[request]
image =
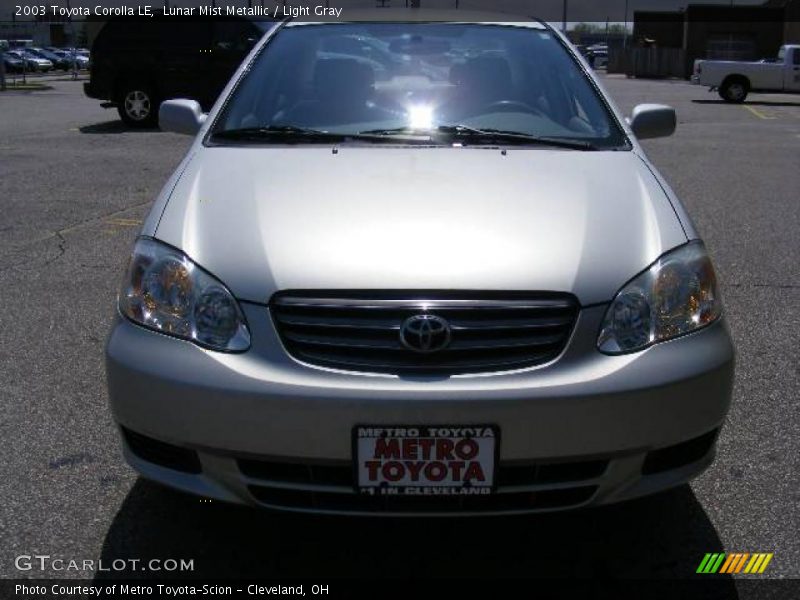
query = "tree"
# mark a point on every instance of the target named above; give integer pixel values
(586, 28)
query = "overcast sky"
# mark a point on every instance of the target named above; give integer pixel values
(578, 10)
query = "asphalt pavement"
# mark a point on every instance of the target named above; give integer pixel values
(75, 185)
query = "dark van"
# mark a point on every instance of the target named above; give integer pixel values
(139, 63)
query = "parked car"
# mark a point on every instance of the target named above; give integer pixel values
(13, 63)
(600, 59)
(66, 57)
(72, 54)
(83, 60)
(31, 60)
(735, 80)
(468, 291)
(597, 55)
(137, 64)
(59, 61)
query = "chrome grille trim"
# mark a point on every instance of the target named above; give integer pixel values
(388, 303)
(359, 331)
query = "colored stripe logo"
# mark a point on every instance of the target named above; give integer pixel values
(736, 562)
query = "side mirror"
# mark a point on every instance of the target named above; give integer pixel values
(181, 116)
(653, 120)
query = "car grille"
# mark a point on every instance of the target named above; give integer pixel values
(514, 502)
(361, 332)
(343, 474)
(331, 487)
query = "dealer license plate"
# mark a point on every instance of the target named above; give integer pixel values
(426, 460)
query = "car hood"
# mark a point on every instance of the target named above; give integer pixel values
(301, 217)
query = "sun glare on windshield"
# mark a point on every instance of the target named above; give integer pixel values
(420, 116)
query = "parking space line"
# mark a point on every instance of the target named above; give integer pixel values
(756, 112)
(124, 222)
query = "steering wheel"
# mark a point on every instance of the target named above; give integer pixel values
(511, 106)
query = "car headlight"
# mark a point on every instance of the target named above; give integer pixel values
(167, 292)
(676, 295)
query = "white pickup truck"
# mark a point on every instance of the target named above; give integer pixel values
(734, 80)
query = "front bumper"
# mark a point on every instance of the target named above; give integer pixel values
(231, 410)
(91, 89)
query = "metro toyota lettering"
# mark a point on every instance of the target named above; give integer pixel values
(434, 459)
(454, 470)
(432, 431)
(425, 449)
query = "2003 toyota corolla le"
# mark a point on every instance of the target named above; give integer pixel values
(419, 267)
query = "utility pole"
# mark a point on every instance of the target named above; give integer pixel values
(625, 32)
(564, 19)
(730, 38)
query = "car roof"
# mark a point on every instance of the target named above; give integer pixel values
(420, 15)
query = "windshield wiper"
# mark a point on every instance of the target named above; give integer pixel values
(472, 134)
(277, 131)
(513, 137)
(405, 130)
(295, 134)
(460, 132)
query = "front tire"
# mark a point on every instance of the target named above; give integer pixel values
(734, 90)
(138, 105)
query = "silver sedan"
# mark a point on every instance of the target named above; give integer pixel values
(418, 267)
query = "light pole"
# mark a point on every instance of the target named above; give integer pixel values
(730, 38)
(564, 19)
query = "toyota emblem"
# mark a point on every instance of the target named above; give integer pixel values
(425, 333)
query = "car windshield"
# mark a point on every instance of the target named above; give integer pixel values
(390, 82)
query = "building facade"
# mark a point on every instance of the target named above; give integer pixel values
(720, 32)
